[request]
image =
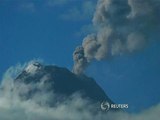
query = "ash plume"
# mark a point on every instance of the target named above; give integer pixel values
(80, 62)
(122, 26)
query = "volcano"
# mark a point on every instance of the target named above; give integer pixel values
(60, 81)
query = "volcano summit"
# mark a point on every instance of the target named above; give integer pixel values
(57, 81)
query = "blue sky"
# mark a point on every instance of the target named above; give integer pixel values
(50, 30)
(40, 31)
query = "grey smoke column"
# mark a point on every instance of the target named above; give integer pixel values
(80, 62)
(123, 26)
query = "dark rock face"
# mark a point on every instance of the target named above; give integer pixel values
(60, 81)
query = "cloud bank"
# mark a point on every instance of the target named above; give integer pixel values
(123, 26)
(74, 107)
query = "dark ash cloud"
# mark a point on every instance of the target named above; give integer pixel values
(123, 26)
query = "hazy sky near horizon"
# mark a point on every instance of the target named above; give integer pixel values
(51, 29)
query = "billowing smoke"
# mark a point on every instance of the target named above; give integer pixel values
(80, 60)
(123, 26)
(13, 107)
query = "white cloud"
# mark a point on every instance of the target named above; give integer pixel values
(12, 107)
(58, 2)
(83, 12)
(27, 6)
